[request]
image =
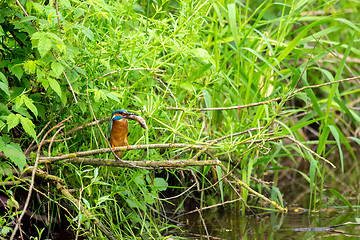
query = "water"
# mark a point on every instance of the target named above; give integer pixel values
(234, 225)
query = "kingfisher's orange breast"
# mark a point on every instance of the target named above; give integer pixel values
(119, 129)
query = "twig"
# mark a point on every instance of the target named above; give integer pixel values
(44, 175)
(244, 185)
(143, 164)
(169, 198)
(128, 69)
(107, 150)
(33, 141)
(293, 140)
(33, 178)
(156, 211)
(38, 191)
(311, 151)
(337, 54)
(203, 223)
(171, 94)
(236, 134)
(57, 13)
(75, 129)
(208, 207)
(77, 203)
(264, 102)
(52, 139)
(226, 175)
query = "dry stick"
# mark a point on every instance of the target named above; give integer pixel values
(57, 13)
(202, 150)
(143, 164)
(77, 203)
(57, 181)
(129, 69)
(44, 175)
(33, 141)
(195, 179)
(107, 150)
(169, 198)
(75, 129)
(244, 185)
(208, 207)
(219, 139)
(311, 151)
(236, 134)
(170, 145)
(203, 223)
(52, 139)
(293, 140)
(33, 178)
(226, 175)
(171, 94)
(264, 102)
(337, 54)
(38, 191)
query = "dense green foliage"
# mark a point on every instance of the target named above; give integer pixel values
(190, 54)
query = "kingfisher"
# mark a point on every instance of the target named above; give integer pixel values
(119, 127)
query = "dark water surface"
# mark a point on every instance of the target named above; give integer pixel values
(234, 225)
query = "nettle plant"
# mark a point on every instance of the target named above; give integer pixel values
(32, 61)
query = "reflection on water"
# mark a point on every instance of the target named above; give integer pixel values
(233, 225)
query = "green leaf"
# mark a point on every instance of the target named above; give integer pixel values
(88, 33)
(17, 71)
(30, 66)
(5, 88)
(55, 86)
(28, 18)
(2, 125)
(292, 44)
(5, 169)
(139, 179)
(338, 142)
(133, 204)
(14, 153)
(38, 35)
(2, 144)
(149, 199)
(29, 104)
(13, 120)
(44, 46)
(232, 9)
(99, 94)
(3, 78)
(113, 97)
(2, 33)
(58, 68)
(341, 197)
(28, 126)
(355, 139)
(160, 184)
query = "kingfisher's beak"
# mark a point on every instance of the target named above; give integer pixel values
(135, 117)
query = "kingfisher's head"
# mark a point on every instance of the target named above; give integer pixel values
(120, 114)
(123, 114)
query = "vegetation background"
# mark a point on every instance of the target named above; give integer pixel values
(269, 88)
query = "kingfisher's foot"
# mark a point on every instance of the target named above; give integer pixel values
(128, 146)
